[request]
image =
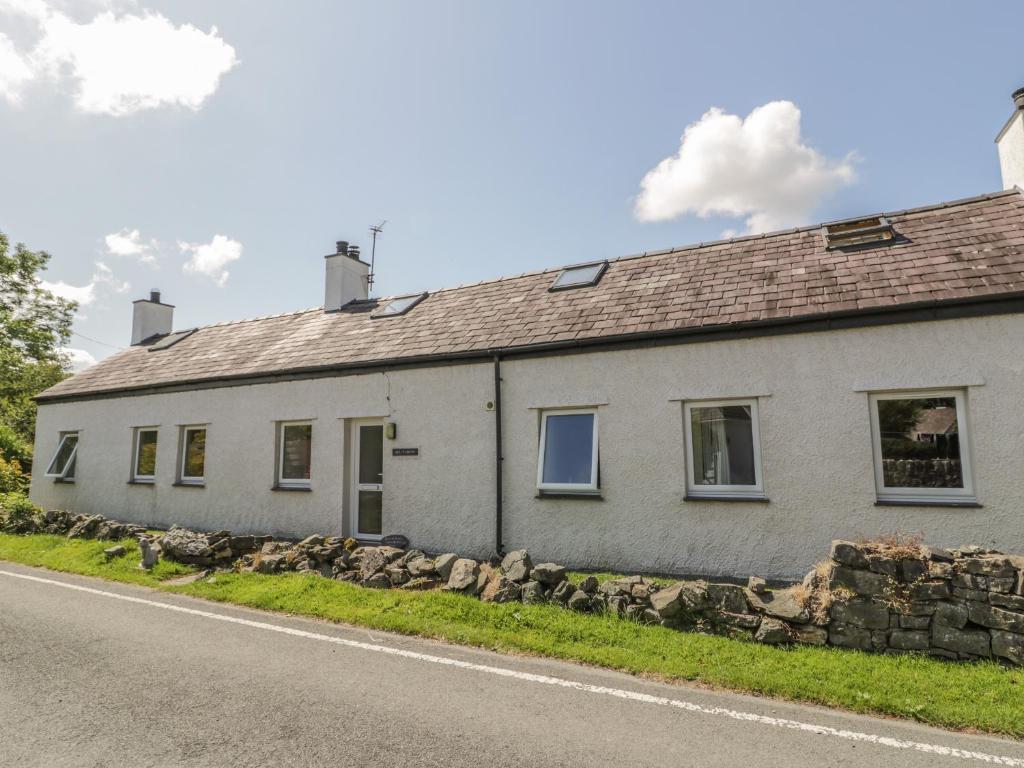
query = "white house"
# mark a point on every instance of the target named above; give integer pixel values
(726, 408)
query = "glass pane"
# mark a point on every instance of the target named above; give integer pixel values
(69, 473)
(296, 451)
(195, 453)
(578, 276)
(67, 445)
(145, 458)
(569, 449)
(723, 445)
(371, 455)
(370, 512)
(920, 443)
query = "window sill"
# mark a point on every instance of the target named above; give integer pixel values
(955, 503)
(299, 488)
(725, 497)
(181, 484)
(142, 482)
(585, 495)
(62, 481)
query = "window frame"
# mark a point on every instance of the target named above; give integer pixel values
(184, 479)
(602, 267)
(592, 487)
(732, 491)
(279, 480)
(885, 494)
(136, 446)
(386, 311)
(71, 461)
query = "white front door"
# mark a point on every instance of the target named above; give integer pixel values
(367, 478)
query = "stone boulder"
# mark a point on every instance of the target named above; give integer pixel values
(548, 574)
(772, 632)
(517, 565)
(464, 573)
(533, 592)
(443, 565)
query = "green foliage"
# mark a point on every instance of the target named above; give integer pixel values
(897, 417)
(34, 325)
(17, 513)
(12, 478)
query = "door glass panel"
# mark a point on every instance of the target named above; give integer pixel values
(371, 456)
(370, 512)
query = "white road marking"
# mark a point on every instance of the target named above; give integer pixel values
(646, 698)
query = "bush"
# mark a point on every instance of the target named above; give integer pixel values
(12, 447)
(12, 478)
(18, 514)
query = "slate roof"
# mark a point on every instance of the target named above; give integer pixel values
(967, 249)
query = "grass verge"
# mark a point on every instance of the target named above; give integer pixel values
(981, 696)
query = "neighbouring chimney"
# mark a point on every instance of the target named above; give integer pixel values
(1010, 143)
(346, 278)
(151, 317)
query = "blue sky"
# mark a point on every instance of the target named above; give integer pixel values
(493, 138)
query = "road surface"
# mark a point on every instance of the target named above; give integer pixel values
(98, 674)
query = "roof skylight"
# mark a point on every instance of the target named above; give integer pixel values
(171, 339)
(399, 305)
(579, 276)
(844, 234)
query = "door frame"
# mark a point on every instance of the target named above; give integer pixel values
(356, 486)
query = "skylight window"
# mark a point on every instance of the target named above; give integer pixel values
(579, 276)
(399, 305)
(845, 234)
(171, 339)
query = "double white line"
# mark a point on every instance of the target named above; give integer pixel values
(645, 698)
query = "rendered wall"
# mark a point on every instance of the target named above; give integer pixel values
(814, 425)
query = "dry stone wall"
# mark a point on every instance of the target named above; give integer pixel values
(881, 596)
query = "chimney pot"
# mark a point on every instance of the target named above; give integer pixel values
(353, 251)
(342, 246)
(1018, 98)
(154, 295)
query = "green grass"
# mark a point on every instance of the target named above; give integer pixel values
(973, 696)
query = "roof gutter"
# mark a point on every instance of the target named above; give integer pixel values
(973, 306)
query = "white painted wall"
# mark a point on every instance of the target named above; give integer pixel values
(1011, 152)
(814, 425)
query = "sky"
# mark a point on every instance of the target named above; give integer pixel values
(216, 150)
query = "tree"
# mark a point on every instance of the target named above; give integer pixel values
(34, 326)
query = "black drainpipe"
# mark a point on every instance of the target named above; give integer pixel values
(498, 458)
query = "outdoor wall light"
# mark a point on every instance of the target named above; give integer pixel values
(390, 430)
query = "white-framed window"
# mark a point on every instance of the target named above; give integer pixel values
(62, 465)
(294, 454)
(723, 449)
(567, 460)
(144, 455)
(921, 446)
(192, 468)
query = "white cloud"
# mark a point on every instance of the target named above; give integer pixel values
(121, 63)
(15, 71)
(84, 295)
(759, 167)
(129, 243)
(209, 259)
(79, 359)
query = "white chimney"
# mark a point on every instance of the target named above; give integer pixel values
(1010, 142)
(347, 277)
(150, 317)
